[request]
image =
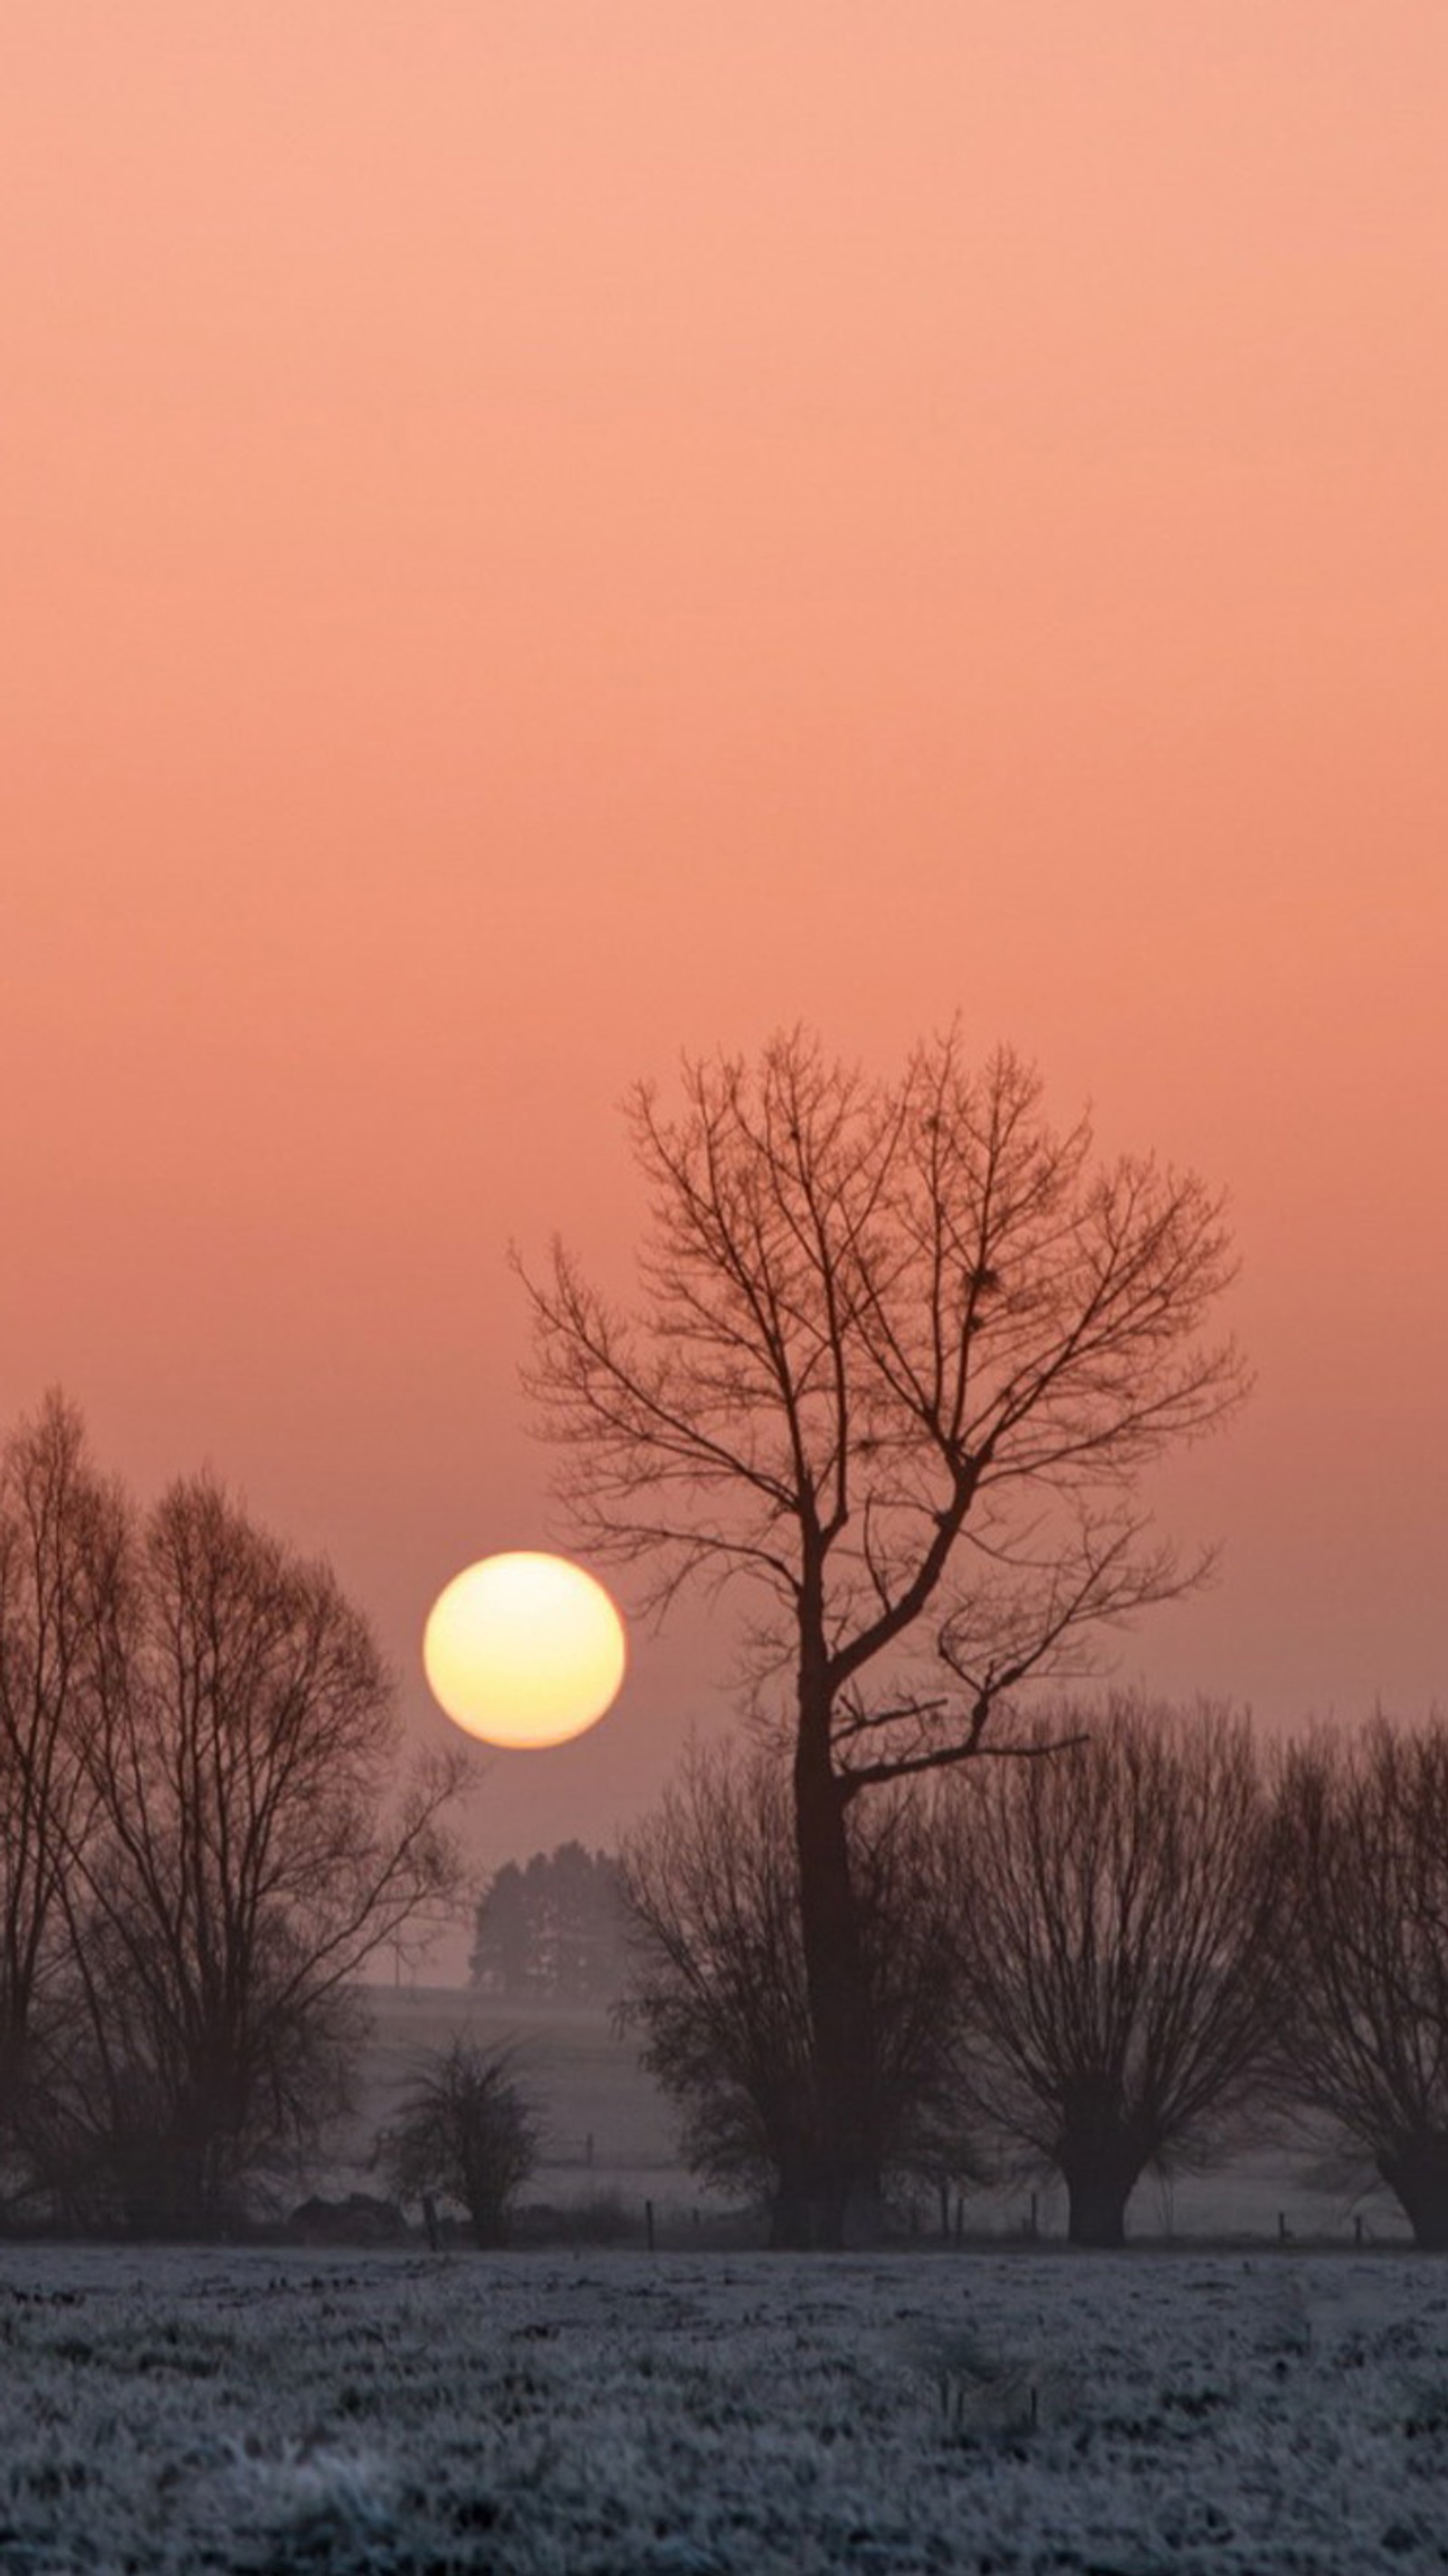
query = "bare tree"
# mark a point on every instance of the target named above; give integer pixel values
(1365, 2026)
(720, 1996)
(900, 1356)
(466, 2130)
(63, 1542)
(1121, 1917)
(246, 1860)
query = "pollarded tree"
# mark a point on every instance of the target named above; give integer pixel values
(1365, 2022)
(247, 1857)
(900, 1355)
(719, 1995)
(1122, 1918)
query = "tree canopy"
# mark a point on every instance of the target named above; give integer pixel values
(901, 1353)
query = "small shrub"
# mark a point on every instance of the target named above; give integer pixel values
(466, 2132)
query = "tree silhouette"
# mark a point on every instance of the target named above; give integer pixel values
(246, 1855)
(1122, 1924)
(1365, 2026)
(64, 1538)
(719, 1995)
(552, 1928)
(900, 1355)
(465, 2130)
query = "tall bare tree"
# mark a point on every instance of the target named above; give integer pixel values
(718, 1989)
(63, 1553)
(1365, 2029)
(900, 1355)
(1122, 1922)
(246, 1860)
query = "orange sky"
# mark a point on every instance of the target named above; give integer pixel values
(538, 535)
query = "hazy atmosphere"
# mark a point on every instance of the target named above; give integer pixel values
(538, 537)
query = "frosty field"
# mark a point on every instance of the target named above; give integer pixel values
(613, 2415)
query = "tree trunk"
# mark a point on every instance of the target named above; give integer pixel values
(1096, 2204)
(1417, 2172)
(1103, 2153)
(846, 2183)
(794, 2216)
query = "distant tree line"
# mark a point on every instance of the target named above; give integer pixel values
(1137, 1945)
(552, 1929)
(204, 1837)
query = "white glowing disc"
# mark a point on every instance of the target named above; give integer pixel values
(524, 1649)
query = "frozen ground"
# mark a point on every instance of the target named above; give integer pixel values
(609, 2415)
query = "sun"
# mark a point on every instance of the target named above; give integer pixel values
(524, 1650)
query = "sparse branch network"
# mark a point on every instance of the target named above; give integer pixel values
(900, 1356)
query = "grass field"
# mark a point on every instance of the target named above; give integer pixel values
(602, 2411)
(612, 2414)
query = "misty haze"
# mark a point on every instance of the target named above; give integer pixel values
(723, 1761)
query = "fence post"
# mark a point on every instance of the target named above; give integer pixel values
(649, 2224)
